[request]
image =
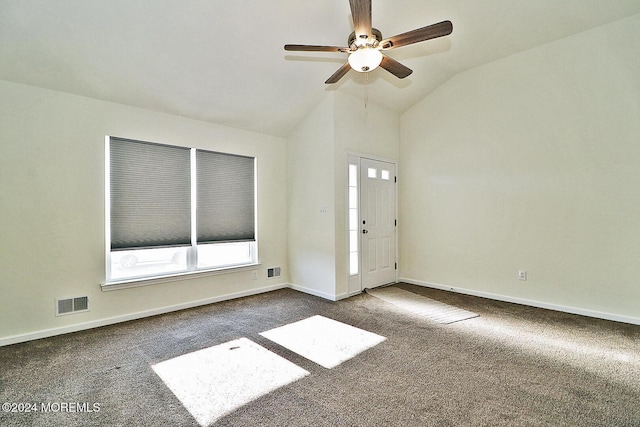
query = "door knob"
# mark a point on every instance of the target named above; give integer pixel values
(365, 231)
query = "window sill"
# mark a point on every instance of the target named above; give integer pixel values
(146, 281)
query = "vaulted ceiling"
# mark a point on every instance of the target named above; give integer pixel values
(224, 62)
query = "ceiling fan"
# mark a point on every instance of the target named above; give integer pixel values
(365, 44)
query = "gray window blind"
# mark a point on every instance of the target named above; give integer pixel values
(150, 194)
(226, 186)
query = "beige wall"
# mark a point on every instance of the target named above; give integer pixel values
(52, 210)
(531, 163)
(311, 200)
(365, 130)
(317, 175)
(528, 163)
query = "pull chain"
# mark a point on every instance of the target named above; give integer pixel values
(366, 90)
(366, 97)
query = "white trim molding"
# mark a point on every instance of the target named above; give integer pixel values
(314, 292)
(15, 339)
(153, 280)
(527, 302)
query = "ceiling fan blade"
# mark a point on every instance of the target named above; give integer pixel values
(339, 74)
(361, 13)
(440, 29)
(312, 48)
(394, 67)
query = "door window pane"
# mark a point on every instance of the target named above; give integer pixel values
(353, 219)
(353, 176)
(353, 263)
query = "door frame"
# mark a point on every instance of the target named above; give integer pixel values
(354, 281)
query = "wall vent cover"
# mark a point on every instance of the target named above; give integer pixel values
(273, 272)
(71, 305)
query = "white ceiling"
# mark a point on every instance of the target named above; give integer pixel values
(224, 62)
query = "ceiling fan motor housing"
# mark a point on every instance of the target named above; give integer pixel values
(371, 43)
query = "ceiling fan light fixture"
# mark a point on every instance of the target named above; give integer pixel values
(365, 59)
(365, 43)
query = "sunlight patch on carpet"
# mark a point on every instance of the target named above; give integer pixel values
(421, 305)
(324, 341)
(215, 381)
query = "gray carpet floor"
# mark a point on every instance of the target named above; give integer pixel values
(511, 366)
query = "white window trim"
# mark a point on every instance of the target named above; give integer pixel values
(154, 280)
(133, 282)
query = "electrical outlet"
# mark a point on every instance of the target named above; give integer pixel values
(254, 275)
(522, 275)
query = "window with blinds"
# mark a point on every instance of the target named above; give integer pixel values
(175, 209)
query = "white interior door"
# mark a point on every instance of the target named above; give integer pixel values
(377, 222)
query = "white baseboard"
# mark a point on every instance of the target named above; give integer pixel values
(346, 295)
(14, 339)
(314, 292)
(531, 303)
(349, 294)
(133, 316)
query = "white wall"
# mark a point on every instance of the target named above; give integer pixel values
(52, 209)
(531, 163)
(362, 129)
(311, 203)
(317, 174)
